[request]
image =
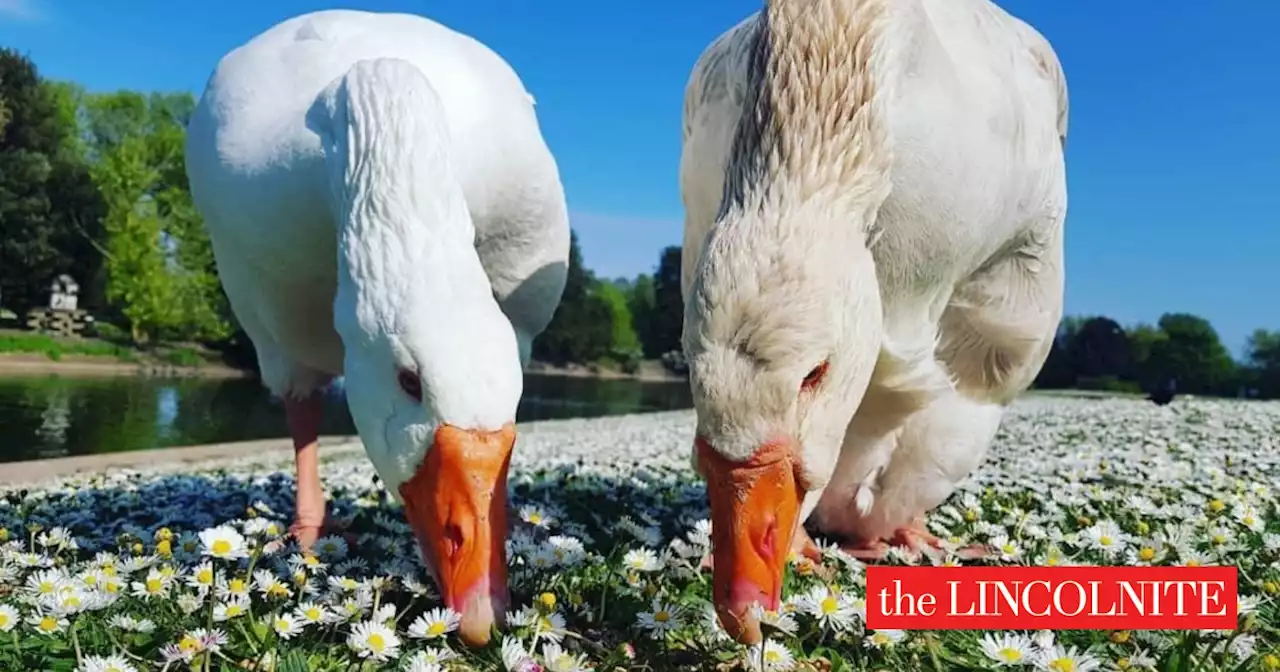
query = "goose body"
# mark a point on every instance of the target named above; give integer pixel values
(382, 206)
(875, 195)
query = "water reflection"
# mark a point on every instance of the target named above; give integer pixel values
(54, 417)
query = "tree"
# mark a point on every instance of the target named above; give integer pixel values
(1191, 354)
(160, 267)
(642, 303)
(1058, 371)
(47, 198)
(582, 328)
(667, 319)
(1099, 353)
(1263, 358)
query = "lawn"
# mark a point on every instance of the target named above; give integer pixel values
(55, 348)
(126, 572)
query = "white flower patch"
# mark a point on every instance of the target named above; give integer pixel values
(139, 569)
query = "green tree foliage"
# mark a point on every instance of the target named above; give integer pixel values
(1185, 349)
(582, 328)
(667, 321)
(160, 271)
(1263, 360)
(49, 207)
(1192, 354)
(642, 302)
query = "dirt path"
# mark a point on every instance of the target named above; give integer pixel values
(86, 366)
(39, 471)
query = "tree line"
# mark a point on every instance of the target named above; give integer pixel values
(94, 185)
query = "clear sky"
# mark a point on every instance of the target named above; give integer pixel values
(1173, 156)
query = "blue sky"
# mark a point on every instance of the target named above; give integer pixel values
(1173, 157)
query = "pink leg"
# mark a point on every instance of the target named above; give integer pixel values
(304, 427)
(914, 537)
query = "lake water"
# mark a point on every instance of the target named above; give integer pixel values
(43, 417)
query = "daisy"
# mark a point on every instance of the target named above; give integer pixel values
(641, 560)
(108, 664)
(228, 588)
(1144, 552)
(832, 610)
(1006, 547)
(286, 626)
(1058, 659)
(312, 613)
(659, 620)
(559, 660)
(885, 638)
(1008, 649)
(374, 641)
(515, 658)
(224, 543)
(536, 516)
(47, 625)
(155, 586)
(9, 618)
(202, 577)
(233, 607)
(770, 656)
(435, 623)
(1104, 536)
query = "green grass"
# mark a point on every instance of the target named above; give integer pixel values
(56, 348)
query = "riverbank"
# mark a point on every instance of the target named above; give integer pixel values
(24, 353)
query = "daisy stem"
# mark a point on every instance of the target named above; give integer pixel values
(247, 637)
(412, 601)
(75, 641)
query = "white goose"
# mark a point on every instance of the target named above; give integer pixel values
(875, 194)
(383, 207)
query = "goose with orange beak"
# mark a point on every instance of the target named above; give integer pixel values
(382, 207)
(875, 195)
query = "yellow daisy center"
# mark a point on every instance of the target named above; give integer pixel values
(282, 624)
(1105, 540)
(1063, 665)
(829, 605)
(535, 518)
(4, 619)
(204, 576)
(436, 629)
(312, 614)
(154, 585)
(48, 624)
(221, 547)
(661, 616)
(237, 585)
(1147, 554)
(1010, 655)
(377, 643)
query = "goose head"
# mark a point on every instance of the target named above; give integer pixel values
(782, 332)
(433, 393)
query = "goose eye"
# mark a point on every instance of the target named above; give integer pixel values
(410, 384)
(814, 379)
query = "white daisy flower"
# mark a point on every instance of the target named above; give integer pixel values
(374, 641)
(224, 543)
(435, 623)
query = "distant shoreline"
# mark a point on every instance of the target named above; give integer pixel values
(90, 366)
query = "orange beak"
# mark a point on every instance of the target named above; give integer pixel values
(754, 507)
(457, 506)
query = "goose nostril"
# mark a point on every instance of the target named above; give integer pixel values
(769, 541)
(452, 539)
